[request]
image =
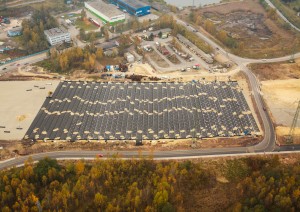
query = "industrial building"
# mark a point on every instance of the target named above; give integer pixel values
(142, 111)
(106, 12)
(14, 32)
(57, 36)
(133, 7)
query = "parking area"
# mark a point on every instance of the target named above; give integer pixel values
(163, 55)
(20, 102)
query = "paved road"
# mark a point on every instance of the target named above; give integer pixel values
(281, 15)
(11, 5)
(160, 155)
(29, 60)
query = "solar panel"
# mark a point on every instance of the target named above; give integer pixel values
(93, 111)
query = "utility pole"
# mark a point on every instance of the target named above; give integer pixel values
(293, 126)
(292, 60)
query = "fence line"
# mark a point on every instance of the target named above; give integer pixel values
(21, 58)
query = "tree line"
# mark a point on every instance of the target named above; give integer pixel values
(261, 184)
(75, 57)
(167, 21)
(33, 38)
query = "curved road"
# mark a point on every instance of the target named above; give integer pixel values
(281, 15)
(267, 145)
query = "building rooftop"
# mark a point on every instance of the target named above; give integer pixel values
(108, 45)
(107, 9)
(135, 3)
(55, 32)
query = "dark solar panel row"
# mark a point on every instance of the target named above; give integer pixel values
(96, 111)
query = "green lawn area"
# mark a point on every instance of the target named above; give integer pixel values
(86, 25)
(288, 10)
(52, 5)
(71, 15)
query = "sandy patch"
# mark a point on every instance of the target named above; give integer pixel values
(282, 98)
(275, 71)
(20, 102)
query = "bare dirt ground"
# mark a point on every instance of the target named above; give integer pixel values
(282, 98)
(28, 73)
(142, 69)
(248, 23)
(276, 71)
(158, 59)
(282, 133)
(20, 102)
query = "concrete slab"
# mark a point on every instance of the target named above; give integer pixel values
(20, 101)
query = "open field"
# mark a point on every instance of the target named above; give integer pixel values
(19, 107)
(51, 5)
(282, 98)
(277, 71)
(247, 22)
(85, 24)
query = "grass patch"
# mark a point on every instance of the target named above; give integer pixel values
(288, 10)
(86, 25)
(46, 64)
(52, 5)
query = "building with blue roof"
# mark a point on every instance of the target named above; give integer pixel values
(14, 32)
(133, 7)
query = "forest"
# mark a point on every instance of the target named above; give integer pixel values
(75, 57)
(33, 38)
(248, 184)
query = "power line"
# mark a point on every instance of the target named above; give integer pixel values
(290, 137)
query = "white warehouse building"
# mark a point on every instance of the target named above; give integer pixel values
(57, 36)
(106, 12)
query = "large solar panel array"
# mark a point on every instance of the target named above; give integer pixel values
(139, 111)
